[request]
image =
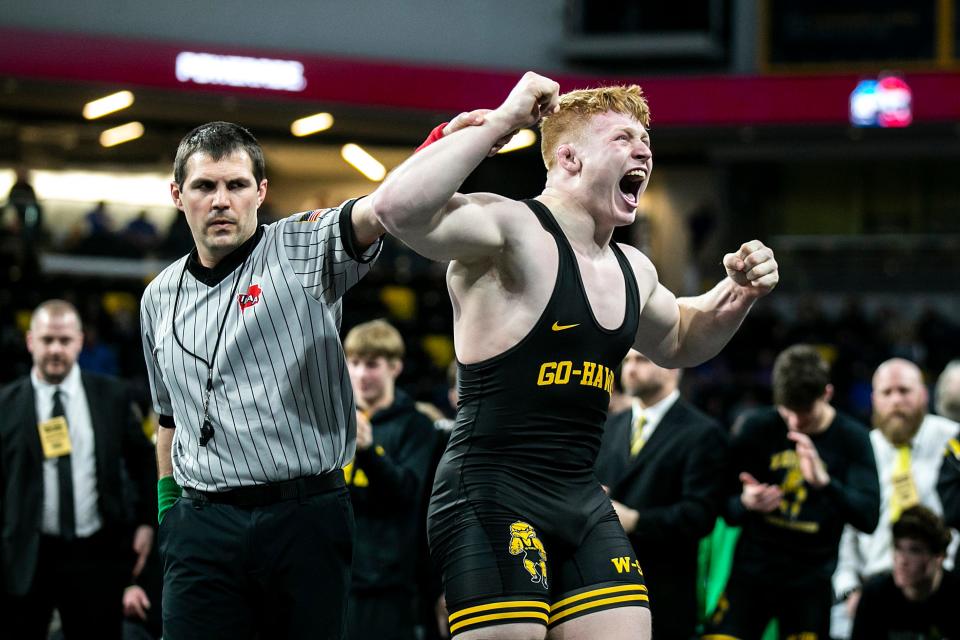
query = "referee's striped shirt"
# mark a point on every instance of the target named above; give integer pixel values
(282, 406)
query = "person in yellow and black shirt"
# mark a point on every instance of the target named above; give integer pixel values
(805, 470)
(948, 483)
(395, 443)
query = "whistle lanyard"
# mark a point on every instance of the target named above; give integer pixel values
(206, 427)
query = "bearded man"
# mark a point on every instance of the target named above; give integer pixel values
(908, 445)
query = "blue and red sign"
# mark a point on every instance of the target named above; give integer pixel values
(887, 102)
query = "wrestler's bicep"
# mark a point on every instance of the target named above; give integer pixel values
(658, 331)
(470, 227)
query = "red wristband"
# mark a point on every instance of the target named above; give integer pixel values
(435, 135)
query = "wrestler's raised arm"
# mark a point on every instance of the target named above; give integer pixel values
(419, 202)
(683, 332)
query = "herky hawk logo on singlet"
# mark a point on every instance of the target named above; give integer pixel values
(524, 540)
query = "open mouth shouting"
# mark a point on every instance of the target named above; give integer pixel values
(630, 185)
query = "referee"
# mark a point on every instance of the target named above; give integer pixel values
(256, 410)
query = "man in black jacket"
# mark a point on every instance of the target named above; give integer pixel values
(66, 531)
(395, 443)
(663, 462)
(805, 470)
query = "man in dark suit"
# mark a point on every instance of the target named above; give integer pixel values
(68, 540)
(663, 462)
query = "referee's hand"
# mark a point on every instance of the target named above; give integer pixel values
(474, 119)
(364, 432)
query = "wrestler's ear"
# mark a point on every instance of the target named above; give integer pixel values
(567, 158)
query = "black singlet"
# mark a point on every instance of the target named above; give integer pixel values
(530, 419)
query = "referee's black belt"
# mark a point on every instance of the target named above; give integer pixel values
(270, 493)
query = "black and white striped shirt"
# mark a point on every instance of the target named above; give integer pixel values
(282, 405)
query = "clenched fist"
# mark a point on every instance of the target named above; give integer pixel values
(530, 100)
(753, 267)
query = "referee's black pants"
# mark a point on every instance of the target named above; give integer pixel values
(276, 571)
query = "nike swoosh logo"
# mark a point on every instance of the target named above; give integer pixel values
(560, 327)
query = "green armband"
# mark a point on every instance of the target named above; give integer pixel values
(167, 493)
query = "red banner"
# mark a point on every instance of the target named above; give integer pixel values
(716, 100)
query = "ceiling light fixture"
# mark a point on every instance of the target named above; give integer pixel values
(107, 104)
(311, 124)
(123, 133)
(363, 162)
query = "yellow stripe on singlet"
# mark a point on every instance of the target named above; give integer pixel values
(598, 592)
(598, 603)
(542, 617)
(536, 604)
(718, 636)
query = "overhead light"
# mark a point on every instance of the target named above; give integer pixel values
(107, 104)
(123, 133)
(311, 124)
(521, 140)
(363, 162)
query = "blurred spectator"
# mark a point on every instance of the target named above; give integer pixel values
(23, 199)
(947, 394)
(948, 484)
(917, 599)
(98, 220)
(179, 239)
(908, 444)
(66, 530)
(98, 238)
(432, 607)
(140, 233)
(664, 464)
(142, 599)
(98, 356)
(395, 443)
(20, 258)
(948, 406)
(806, 470)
